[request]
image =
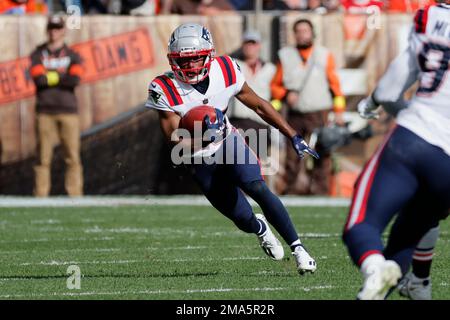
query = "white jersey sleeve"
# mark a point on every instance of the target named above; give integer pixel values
(399, 77)
(157, 98)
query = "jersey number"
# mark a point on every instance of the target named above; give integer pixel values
(434, 63)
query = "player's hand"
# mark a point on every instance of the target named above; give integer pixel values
(215, 130)
(367, 107)
(302, 147)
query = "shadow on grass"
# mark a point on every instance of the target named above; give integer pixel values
(112, 275)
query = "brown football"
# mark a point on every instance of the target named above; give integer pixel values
(197, 114)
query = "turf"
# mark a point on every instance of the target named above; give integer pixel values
(175, 252)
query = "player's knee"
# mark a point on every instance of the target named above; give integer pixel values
(256, 188)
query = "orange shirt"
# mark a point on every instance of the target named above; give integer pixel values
(407, 6)
(5, 5)
(279, 91)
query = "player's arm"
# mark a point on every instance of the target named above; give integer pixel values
(72, 78)
(37, 71)
(168, 119)
(399, 77)
(169, 122)
(265, 110)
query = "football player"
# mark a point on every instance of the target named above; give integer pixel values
(410, 171)
(197, 78)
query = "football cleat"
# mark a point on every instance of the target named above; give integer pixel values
(378, 283)
(268, 242)
(415, 288)
(305, 263)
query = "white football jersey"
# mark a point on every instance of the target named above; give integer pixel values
(167, 93)
(426, 60)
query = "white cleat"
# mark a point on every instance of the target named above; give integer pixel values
(415, 288)
(305, 263)
(269, 243)
(382, 278)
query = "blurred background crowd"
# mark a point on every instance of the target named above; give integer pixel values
(313, 59)
(204, 7)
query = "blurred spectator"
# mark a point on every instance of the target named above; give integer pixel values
(307, 82)
(203, 7)
(409, 6)
(95, 6)
(332, 5)
(140, 7)
(56, 71)
(68, 3)
(41, 6)
(297, 4)
(22, 6)
(63, 5)
(316, 6)
(271, 5)
(360, 6)
(127, 7)
(237, 3)
(258, 75)
(266, 4)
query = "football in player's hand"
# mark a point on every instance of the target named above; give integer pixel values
(197, 114)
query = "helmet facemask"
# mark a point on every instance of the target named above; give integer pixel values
(177, 61)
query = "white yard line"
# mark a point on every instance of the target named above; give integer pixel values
(193, 200)
(158, 292)
(58, 239)
(115, 249)
(183, 248)
(64, 263)
(153, 233)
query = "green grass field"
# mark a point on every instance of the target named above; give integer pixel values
(175, 252)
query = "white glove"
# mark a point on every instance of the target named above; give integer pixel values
(366, 108)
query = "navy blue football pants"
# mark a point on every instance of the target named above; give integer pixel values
(408, 176)
(224, 185)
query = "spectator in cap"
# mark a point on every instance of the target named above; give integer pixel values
(56, 71)
(202, 7)
(258, 74)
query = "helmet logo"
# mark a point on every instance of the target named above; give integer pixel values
(172, 38)
(206, 35)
